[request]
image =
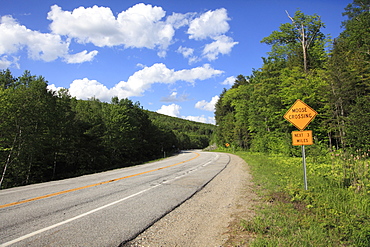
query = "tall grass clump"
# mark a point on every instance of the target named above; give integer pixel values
(334, 211)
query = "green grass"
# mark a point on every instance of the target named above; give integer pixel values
(334, 211)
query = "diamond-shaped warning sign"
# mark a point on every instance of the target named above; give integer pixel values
(300, 114)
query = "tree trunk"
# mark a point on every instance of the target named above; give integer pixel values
(304, 48)
(55, 165)
(8, 159)
(29, 170)
(6, 166)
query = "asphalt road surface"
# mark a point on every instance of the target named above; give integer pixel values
(105, 209)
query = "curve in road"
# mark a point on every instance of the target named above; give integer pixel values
(105, 215)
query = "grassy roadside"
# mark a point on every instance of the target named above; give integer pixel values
(334, 211)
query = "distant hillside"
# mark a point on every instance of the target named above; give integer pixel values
(47, 135)
(189, 134)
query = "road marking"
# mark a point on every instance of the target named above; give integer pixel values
(102, 207)
(93, 185)
(72, 219)
(191, 170)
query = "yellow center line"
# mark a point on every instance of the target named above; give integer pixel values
(92, 185)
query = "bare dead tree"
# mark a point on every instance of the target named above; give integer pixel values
(304, 38)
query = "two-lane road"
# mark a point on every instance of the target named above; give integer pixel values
(104, 209)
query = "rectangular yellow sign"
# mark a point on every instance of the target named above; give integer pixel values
(300, 138)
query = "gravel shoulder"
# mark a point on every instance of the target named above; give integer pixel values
(211, 217)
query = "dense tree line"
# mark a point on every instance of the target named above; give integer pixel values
(187, 134)
(334, 81)
(46, 135)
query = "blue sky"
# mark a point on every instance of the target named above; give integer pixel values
(173, 56)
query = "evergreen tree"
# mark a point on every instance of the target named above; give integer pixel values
(349, 82)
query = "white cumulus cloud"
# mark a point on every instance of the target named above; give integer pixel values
(207, 106)
(85, 89)
(6, 62)
(172, 110)
(178, 20)
(208, 25)
(40, 46)
(140, 81)
(229, 81)
(141, 26)
(185, 51)
(83, 56)
(188, 53)
(201, 119)
(222, 45)
(174, 97)
(54, 88)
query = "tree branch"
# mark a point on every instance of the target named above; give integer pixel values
(294, 24)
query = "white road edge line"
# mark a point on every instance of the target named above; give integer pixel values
(94, 210)
(190, 171)
(72, 219)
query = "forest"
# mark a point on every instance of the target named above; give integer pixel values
(333, 77)
(47, 135)
(330, 75)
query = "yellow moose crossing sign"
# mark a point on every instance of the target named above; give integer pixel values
(300, 114)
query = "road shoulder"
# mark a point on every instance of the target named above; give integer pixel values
(211, 217)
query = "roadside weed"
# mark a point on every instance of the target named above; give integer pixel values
(334, 211)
